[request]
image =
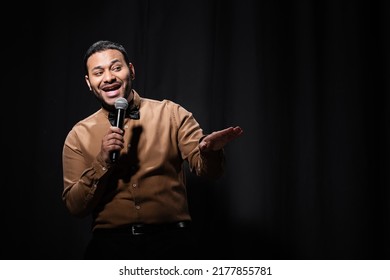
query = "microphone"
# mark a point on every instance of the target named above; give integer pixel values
(120, 106)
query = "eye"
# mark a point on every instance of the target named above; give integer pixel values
(98, 73)
(117, 68)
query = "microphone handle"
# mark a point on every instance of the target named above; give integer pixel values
(120, 117)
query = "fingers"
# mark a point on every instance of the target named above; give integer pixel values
(203, 146)
(235, 132)
(227, 134)
(112, 141)
(114, 144)
(238, 130)
(218, 139)
(114, 129)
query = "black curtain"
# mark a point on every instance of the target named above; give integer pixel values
(308, 82)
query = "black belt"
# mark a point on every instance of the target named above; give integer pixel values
(140, 229)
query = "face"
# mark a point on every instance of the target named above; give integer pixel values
(109, 77)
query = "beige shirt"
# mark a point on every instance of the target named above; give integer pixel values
(147, 184)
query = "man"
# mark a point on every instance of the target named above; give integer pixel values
(138, 202)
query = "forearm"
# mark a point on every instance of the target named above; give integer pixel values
(83, 185)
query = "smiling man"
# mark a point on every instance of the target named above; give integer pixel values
(139, 202)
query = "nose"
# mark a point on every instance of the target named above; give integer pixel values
(108, 76)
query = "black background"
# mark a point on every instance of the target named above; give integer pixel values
(307, 81)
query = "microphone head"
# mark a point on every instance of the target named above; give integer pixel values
(121, 103)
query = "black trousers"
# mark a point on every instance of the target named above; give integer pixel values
(170, 244)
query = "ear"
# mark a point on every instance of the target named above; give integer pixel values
(132, 71)
(88, 83)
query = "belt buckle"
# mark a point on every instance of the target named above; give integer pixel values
(134, 230)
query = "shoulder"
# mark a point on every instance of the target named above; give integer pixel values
(165, 104)
(93, 119)
(155, 102)
(96, 119)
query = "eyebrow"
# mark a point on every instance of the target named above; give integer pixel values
(111, 63)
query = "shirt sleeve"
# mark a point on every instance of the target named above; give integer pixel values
(80, 191)
(190, 134)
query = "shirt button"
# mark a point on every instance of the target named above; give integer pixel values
(134, 185)
(104, 169)
(137, 207)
